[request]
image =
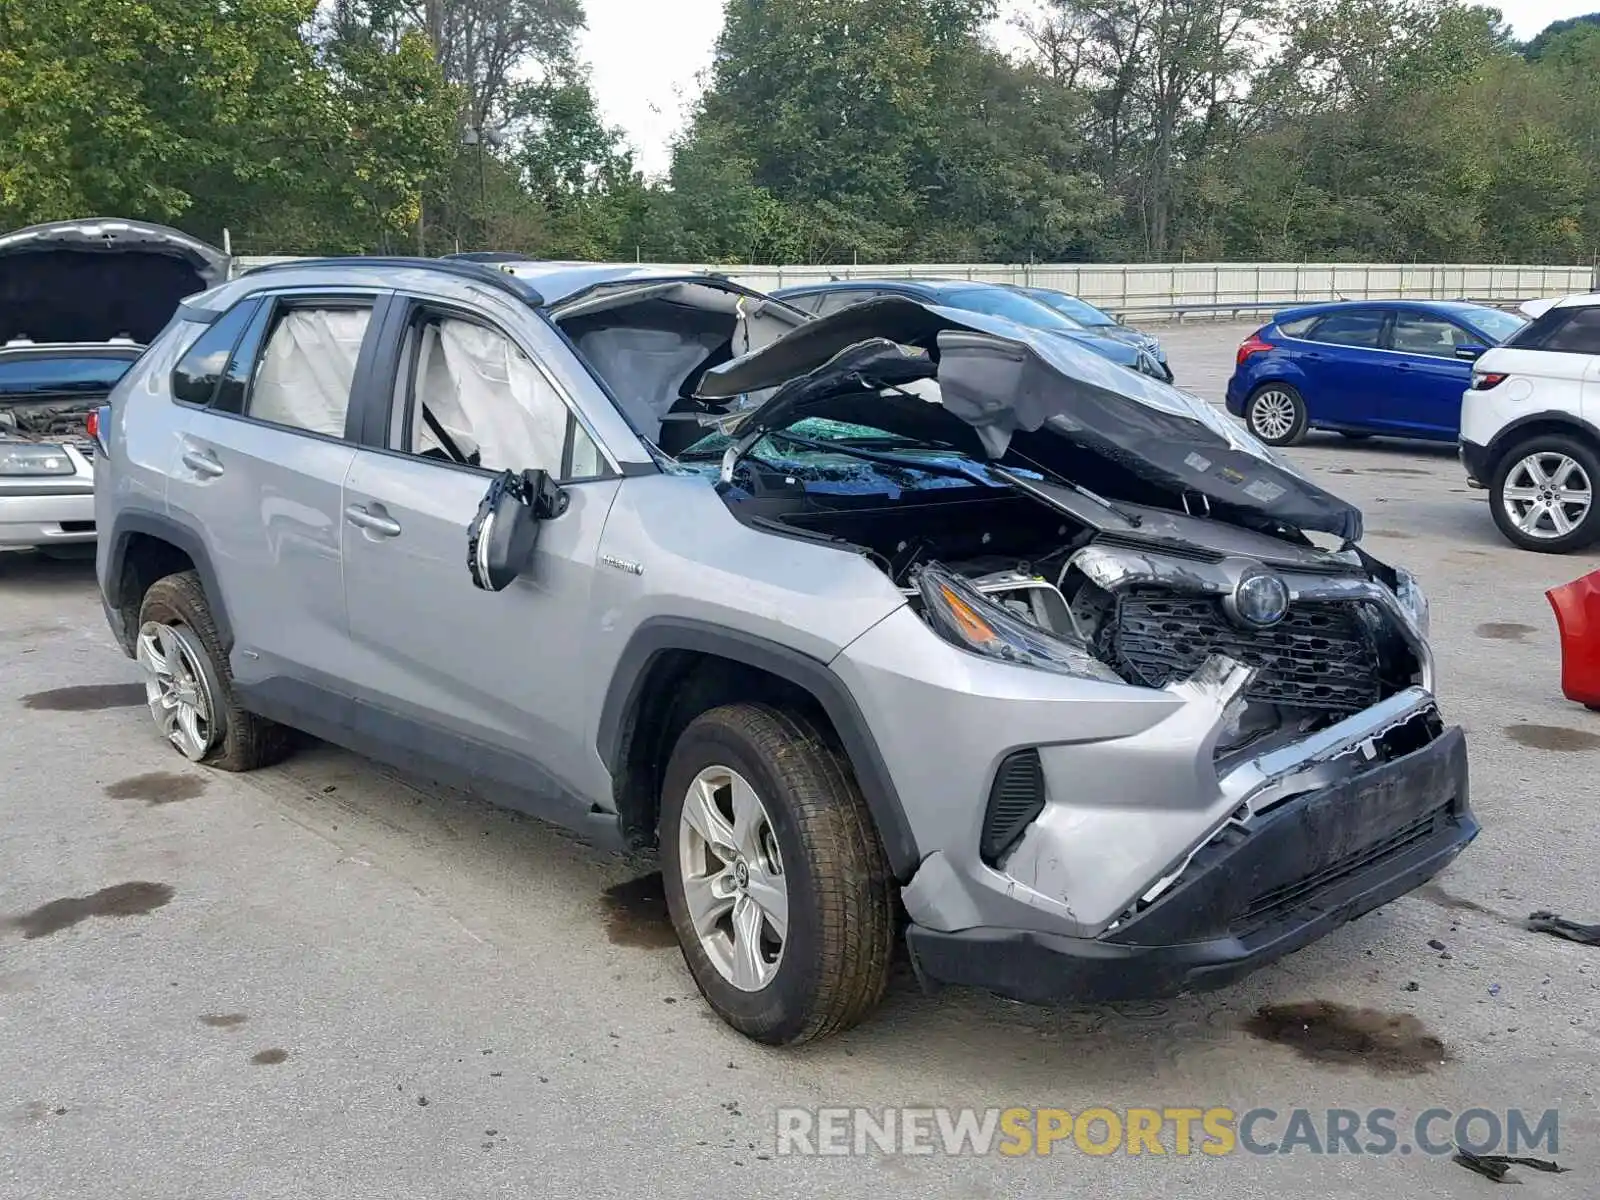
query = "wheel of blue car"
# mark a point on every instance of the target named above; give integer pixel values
(778, 887)
(1276, 414)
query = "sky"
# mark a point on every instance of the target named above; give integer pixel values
(646, 59)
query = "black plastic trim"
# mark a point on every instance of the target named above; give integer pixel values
(661, 634)
(165, 529)
(1508, 436)
(1202, 934)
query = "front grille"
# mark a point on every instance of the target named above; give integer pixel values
(1283, 901)
(1320, 656)
(1015, 799)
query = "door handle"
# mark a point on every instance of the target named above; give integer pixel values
(203, 462)
(373, 522)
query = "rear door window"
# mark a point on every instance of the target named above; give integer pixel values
(1418, 333)
(1361, 328)
(308, 365)
(833, 302)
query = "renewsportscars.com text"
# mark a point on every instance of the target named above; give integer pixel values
(1216, 1131)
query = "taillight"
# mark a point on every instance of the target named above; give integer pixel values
(1254, 344)
(1487, 380)
(95, 426)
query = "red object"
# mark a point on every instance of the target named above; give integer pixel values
(1254, 344)
(1482, 383)
(91, 424)
(1577, 609)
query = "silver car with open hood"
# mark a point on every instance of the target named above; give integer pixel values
(902, 610)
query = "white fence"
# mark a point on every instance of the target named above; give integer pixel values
(1179, 289)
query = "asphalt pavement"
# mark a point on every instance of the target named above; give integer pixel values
(326, 980)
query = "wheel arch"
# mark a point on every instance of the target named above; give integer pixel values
(674, 668)
(1534, 425)
(144, 547)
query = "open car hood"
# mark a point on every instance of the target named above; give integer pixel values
(96, 279)
(990, 388)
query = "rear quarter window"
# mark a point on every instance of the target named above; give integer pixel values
(194, 379)
(1297, 328)
(1562, 330)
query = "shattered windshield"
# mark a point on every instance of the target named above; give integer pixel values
(832, 455)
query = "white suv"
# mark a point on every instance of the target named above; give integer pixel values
(1530, 428)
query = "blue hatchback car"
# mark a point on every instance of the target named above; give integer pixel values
(1395, 368)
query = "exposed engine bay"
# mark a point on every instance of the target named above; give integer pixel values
(53, 420)
(1124, 594)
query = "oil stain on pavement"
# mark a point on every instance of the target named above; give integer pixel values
(158, 787)
(223, 1020)
(268, 1058)
(1552, 737)
(1323, 1032)
(636, 914)
(91, 698)
(120, 900)
(1504, 631)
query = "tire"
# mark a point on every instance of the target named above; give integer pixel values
(176, 620)
(1276, 414)
(839, 931)
(1532, 514)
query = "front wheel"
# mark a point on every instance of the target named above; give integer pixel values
(1276, 414)
(1542, 494)
(778, 887)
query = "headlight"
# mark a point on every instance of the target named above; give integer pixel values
(965, 616)
(1409, 592)
(26, 458)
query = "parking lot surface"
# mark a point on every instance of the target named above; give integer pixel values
(326, 980)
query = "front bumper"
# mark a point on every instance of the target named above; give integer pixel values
(1475, 460)
(1311, 864)
(46, 518)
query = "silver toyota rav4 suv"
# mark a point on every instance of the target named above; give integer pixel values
(898, 620)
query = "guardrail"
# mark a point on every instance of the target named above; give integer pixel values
(1181, 289)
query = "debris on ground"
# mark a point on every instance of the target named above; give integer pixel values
(1548, 922)
(1498, 1166)
(1435, 944)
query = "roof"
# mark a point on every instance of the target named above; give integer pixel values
(117, 349)
(533, 281)
(932, 284)
(1583, 300)
(1297, 311)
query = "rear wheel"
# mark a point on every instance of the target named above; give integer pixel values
(188, 684)
(1276, 414)
(777, 884)
(1542, 494)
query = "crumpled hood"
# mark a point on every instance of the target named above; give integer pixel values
(1002, 388)
(95, 279)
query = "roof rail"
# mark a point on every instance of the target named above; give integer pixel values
(461, 268)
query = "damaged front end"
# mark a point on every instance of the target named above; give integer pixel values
(1175, 736)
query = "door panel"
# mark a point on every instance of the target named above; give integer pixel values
(1427, 379)
(261, 472)
(503, 671)
(269, 501)
(1345, 367)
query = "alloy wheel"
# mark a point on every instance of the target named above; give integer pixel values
(1547, 494)
(175, 688)
(1273, 414)
(733, 882)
